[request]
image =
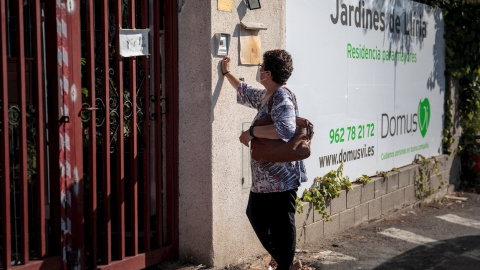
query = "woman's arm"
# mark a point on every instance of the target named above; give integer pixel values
(266, 132)
(247, 95)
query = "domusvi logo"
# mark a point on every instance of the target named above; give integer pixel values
(407, 123)
(424, 116)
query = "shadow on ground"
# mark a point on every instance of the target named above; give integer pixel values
(457, 253)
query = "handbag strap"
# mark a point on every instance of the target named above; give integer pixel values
(270, 101)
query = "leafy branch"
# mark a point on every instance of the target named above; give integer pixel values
(323, 189)
(423, 185)
(364, 179)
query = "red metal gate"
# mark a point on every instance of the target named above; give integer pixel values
(88, 179)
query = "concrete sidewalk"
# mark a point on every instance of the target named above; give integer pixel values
(439, 235)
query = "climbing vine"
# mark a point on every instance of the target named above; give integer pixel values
(423, 184)
(462, 58)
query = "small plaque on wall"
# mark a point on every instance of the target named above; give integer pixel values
(225, 5)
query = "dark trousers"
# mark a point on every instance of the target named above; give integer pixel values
(272, 216)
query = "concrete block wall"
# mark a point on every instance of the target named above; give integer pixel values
(378, 197)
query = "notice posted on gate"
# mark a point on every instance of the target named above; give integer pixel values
(133, 42)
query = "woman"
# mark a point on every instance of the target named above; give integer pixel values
(271, 205)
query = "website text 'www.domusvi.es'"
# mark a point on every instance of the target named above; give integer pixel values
(346, 156)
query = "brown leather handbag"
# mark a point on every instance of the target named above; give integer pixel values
(297, 148)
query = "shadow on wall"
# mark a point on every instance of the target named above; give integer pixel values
(222, 82)
(405, 42)
(180, 5)
(456, 253)
(438, 75)
(455, 169)
(241, 10)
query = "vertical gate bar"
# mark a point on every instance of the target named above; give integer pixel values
(171, 84)
(158, 123)
(92, 157)
(40, 131)
(133, 137)
(5, 152)
(146, 132)
(51, 40)
(23, 133)
(120, 137)
(106, 135)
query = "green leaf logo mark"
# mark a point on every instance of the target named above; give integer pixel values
(424, 116)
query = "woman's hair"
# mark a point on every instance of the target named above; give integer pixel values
(279, 63)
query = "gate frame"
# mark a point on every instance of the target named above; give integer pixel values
(65, 142)
(171, 94)
(71, 29)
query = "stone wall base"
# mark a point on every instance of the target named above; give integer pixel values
(378, 197)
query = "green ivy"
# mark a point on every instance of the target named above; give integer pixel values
(462, 58)
(423, 185)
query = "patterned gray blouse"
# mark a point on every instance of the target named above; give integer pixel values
(274, 176)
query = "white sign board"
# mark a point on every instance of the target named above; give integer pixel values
(370, 76)
(133, 42)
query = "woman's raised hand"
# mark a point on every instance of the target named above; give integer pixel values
(234, 81)
(225, 64)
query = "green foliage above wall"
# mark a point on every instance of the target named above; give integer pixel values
(462, 57)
